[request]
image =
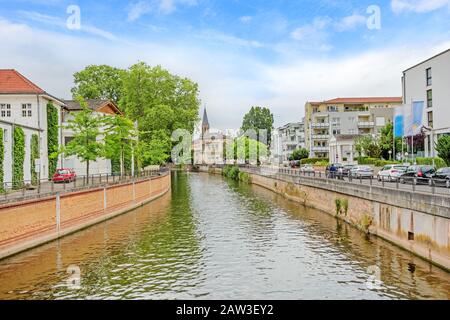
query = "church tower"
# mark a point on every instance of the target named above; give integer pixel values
(205, 124)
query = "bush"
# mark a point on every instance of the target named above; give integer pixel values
(52, 138)
(429, 161)
(313, 160)
(33, 156)
(244, 177)
(382, 163)
(231, 172)
(18, 157)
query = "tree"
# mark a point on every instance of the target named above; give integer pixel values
(157, 150)
(160, 102)
(246, 149)
(299, 154)
(99, 82)
(119, 132)
(443, 148)
(368, 146)
(259, 119)
(86, 128)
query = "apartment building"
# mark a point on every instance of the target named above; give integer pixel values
(429, 81)
(349, 117)
(285, 140)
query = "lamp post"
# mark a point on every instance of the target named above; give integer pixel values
(406, 155)
(390, 154)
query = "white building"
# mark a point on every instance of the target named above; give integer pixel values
(285, 140)
(429, 81)
(100, 108)
(23, 104)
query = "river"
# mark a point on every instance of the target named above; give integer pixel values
(212, 238)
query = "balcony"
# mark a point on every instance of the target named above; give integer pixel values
(366, 124)
(320, 136)
(320, 149)
(320, 125)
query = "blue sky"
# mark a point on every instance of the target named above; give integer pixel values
(275, 53)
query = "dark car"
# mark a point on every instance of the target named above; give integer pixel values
(418, 174)
(442, 178)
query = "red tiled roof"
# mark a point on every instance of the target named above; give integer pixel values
(367, 100)
(12, 81)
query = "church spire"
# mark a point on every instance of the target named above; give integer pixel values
(205, 123)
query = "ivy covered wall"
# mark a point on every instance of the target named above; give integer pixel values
(2, 158)
(18, 157)
(34, 154)
(52, 138)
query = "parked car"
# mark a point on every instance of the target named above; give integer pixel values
(346, 169)
(307, 168)
(418, 174)
(64, 175)
(294, 164)
(361, 172)
(391, 172)
(442, 177)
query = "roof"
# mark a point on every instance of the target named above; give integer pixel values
(205, 118)
(12, 82)
(93, 104)
(366, 100)
(435, 56)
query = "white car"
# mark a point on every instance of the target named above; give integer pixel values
(361, 172)
(307, 168)
(391, 172)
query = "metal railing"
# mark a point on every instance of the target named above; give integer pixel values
(431, 186)
(16, 191)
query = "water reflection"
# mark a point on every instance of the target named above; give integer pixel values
(218, 239)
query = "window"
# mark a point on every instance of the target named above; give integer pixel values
(430, 98)
(430, 119)
(26, 110)
(336, 131)
(67, 140)
(429, 78)
(5, 110)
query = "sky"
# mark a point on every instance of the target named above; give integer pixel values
(242, 53)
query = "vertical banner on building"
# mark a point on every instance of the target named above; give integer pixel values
(417, 117)
(399, 122)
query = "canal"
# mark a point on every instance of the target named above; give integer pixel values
(213, 238)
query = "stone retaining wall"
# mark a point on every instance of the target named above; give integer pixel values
(27, 224)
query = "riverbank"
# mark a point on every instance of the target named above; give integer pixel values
(406, 221)
(31, 223)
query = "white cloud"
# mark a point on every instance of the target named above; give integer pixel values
(220, 37)
(311, 30)
(419, 6)
(143, 7)
(246, 19)
(350, 22)
(230, 82)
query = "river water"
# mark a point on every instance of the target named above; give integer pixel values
(212, 238)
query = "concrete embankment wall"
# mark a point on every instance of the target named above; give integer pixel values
(27, 224)
(419, 223)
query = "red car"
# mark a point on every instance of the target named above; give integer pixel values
(64, 175)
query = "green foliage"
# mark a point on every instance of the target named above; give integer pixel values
(341, 206)
(162, 103)
(157, 150)
(299, 154)
(259, 119)
(86, 128)
(246, 149)
(34, 154)
(369, 146)
(314, 161)
(338, 204)
(438, 162)
(99, 82)
(2, 159)
(443, 148)
(52, 138)
(231, 172)
(244, 177)
(119, 138)
(18, 157)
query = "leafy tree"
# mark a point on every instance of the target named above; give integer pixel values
(99, 82)
(156, 151)
(369, 146)
(386, 141)
(443, 148)
(299, 154)
(86, 128)
(259, 119)
(119, 132)
(247, 149)
(160, 102)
